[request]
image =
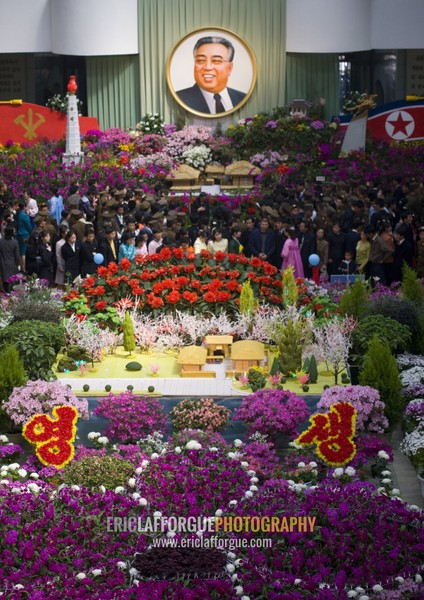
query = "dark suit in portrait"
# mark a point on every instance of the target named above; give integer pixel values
(194, 98)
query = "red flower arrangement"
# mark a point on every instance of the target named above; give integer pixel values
(173, 280)
(53, 438)
(333, 434)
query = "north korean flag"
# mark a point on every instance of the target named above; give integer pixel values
(397, 121)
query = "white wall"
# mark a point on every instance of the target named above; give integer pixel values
(25, 26)
(94, 27)
(354, 25)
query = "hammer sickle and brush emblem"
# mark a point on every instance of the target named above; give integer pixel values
(30, 126)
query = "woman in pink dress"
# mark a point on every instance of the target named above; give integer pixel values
(291, 253)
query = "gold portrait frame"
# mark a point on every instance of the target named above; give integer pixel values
(179, 68)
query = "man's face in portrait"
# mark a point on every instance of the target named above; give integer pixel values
(212, 67)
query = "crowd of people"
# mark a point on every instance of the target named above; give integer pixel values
(352, 228)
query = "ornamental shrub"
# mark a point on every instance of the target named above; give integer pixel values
(272, 412)
(94, 471)
(40, 397)
(12, 371)
(37, 343)
(403, 310)
(380, 371)
(130, 416)
(386, 329)
(355, 300)
(200, 413)
(365, 400)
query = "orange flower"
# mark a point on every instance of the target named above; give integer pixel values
(100, 305)
(173, 297)
(125, 264)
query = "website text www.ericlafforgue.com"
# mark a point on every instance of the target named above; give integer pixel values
(211, 542)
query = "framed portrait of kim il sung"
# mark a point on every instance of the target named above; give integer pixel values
(211, 72)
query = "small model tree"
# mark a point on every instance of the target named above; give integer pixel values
(248, 303)
(290, 291)
(129, 337)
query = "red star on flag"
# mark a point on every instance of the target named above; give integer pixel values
(399, 125)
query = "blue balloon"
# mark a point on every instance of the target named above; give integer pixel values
(98, 258)
(314, 260)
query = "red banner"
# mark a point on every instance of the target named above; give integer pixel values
(28, 123)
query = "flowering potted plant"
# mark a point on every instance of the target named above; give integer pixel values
(413, 446)
(272, 412)
(306, 473)
(364, 399)
(40, 397)
(130, 416)
(200, 413)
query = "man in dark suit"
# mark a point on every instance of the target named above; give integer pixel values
(213, 64)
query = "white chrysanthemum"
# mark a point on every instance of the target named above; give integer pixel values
(142, 502)
(177, 450)
(4, 439)
(193, 445)
(232, 503)
(213, 449)
(119, 490)
(121, 565)
(386, 473)
(377, 588)
(231, 454)
(103, 440)
(251, 473)
(131, 482)
(338, 472)
(248, 494)
(297, 581)
(18, 586)
(102, 489)
(239, 590)
(96, 572)
(154, 456)
(81, 576)
(170, 534)
(418, 578)
(350, 471)
(399, 579)
(245, 464)
(14, 466)
(157, 514)
(218, 512)
(231, 555)
(352, 594)
(34, 476)
(237, 443)
(136, 495)
(33, 488)
(230, 568)
(383, 455)
(76, 488)
(253, 488)
(395, 492)
(93, 435)
(386, 481)
(301, 464)
(313, 464)
(144, 463)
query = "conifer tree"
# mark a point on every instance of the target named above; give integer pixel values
(128, 329)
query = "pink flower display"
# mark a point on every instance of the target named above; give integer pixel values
(365, 400)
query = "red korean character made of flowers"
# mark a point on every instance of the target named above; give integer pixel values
(333, 434)
(53, 437)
